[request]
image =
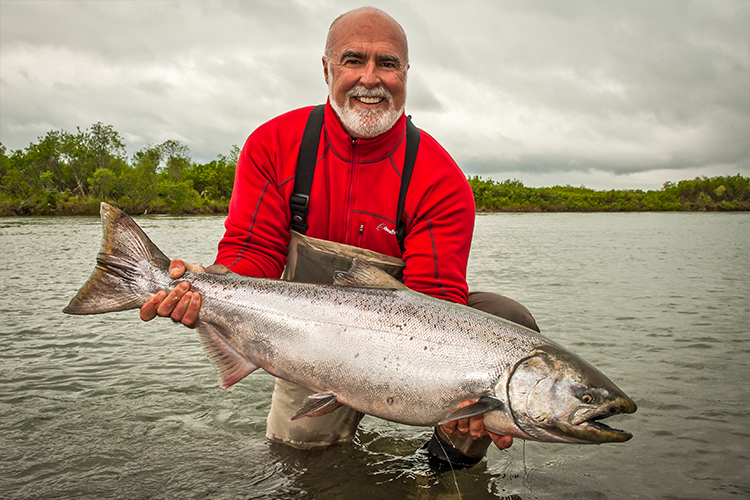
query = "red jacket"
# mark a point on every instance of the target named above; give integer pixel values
(353, 200)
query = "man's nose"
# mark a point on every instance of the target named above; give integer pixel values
(370, 76)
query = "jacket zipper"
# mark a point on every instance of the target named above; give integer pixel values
(361, 232)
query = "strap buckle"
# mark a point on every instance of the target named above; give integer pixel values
(299, 206)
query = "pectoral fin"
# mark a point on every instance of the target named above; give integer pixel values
(484, 405)
(316, 405)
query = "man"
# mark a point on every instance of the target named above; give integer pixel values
(353, 208)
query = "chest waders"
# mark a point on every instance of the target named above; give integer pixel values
(313, 260)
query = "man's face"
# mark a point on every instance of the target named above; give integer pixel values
(366, 74)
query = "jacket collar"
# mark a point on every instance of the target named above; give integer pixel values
(371, 150)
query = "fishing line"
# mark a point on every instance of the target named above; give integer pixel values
(455, 481)
(525, 470)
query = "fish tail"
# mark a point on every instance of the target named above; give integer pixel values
(112, 286)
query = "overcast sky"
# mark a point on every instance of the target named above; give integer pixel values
(606, 94)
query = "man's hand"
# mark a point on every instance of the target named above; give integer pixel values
(180, 304)
(474, 427)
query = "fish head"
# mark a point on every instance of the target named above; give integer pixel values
(555, 396)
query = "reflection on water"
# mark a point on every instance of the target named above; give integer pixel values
(110, 407)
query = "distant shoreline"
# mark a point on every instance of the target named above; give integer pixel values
(93, 210)
(702, 194)
(71, 173)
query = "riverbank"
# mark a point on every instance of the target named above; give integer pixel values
(71, 173)
(702, 194)
(723, 193)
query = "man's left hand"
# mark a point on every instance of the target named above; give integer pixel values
(474, 427)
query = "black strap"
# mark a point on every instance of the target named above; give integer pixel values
(412, 145)
(299, 202)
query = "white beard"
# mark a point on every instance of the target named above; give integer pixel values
(366, 123)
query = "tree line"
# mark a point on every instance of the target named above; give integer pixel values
(66, 173)
(721, 193)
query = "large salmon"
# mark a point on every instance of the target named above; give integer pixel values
(370, 343)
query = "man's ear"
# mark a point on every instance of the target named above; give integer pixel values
(325, 69)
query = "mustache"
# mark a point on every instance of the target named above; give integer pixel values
(362, 91)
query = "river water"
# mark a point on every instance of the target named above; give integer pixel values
(110, 407)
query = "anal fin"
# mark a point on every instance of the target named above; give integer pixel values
(484, 405)
(232, 365)
(317, 404)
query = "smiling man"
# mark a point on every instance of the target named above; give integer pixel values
(377, 188)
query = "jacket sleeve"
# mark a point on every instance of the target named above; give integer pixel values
(441, 211)
(257, 228)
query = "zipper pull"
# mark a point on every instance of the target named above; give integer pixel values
(361, 229)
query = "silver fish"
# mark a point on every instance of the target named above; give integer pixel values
(370, 343)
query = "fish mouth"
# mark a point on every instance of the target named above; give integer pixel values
(586, 423)
(602, 432)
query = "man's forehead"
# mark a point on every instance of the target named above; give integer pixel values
(367, 32)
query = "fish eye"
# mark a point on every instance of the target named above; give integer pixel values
(587, 398)
(586, 395)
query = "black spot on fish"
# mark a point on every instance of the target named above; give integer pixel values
(389, 401)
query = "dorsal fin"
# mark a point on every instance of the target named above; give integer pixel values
(362, 274)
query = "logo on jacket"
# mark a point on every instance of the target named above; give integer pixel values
(383, 227)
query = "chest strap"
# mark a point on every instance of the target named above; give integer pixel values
(299, 202)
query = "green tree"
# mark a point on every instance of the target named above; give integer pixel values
(175, 159)
(106, 185)
(140, 183)
(214, 180)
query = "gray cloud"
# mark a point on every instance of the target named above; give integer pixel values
(606, 93)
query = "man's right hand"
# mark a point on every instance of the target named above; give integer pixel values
(180, 303)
